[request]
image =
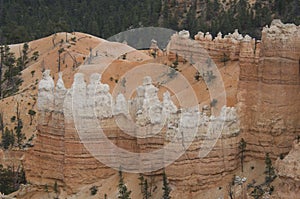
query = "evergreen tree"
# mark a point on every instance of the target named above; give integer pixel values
(242, 147)
(31, 114)
(23, 60)
(166, 188)
(1, 64)
(124, 193)
(8, 139)
(1, 122)
(19, 127)
(269, 171)
(11, 80)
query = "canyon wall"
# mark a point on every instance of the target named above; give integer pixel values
(288, 171)
(267, 117)
(69, 142)
(269, 91)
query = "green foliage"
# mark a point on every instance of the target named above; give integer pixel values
(18, 128)
(55, 187)
(269, 170)
(94, 190)
(124, 193)
(242, 147)
(23, 60)
(13, 119)
(172, 73)
(197, 76)
(35, 55)
(166, 188)
(9, 73)
(31, 114)
(1, 122)
(225, 59)
(108, 17)
(213, 103)
(11, 179)
(8, 139)
(144, 187)
(258, 192)
(32, 73)
(209, 76)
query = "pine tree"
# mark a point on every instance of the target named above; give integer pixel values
(11, 80)
(1, 122)
(31, 114)
(269, 171)
(8, 139)
(23, 60)
(1, 64)
(19, 127)
(124, 193)
(242, 147)
(166, 188)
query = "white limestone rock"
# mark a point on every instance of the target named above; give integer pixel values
(46, 93)
(184, 34)
(121, 105)
(60, 94)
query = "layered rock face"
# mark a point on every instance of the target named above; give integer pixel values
(142, 135)
(145, 133)
(288, 171)
(269, 90)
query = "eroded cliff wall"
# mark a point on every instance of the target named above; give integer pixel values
(269, 91)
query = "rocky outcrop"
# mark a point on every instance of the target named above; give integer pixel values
(73, 151)
(269, 90)
(85, 134)
(288, 171)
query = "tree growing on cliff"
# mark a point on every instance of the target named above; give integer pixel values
(31, 114)
(124, 193)
(8, 139)
(11, 178)
(1, 122)
(269, 171)
(23, 60)
(19, 127)
(166, 188)
(242, 147)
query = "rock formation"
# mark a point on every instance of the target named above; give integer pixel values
(269, 90)
(59, 154)
(288, 171)
(267, 117)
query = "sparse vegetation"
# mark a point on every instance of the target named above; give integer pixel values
(225, 59)
(197, 76)
(242, 147)
(269, 171)
(213, 103)
(18, 128)
(35, 55)
(32, 73)
(124, 193)
(209, 76)
(166, 188)
(94, 190)
(7, 139)
(23, 60)
(10, 80)
(31, 114)
(11, 178)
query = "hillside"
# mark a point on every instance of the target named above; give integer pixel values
(28, 20)
(260, 80)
